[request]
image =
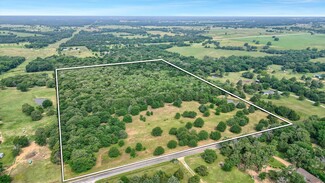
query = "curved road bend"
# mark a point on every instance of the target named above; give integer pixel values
(149, 162)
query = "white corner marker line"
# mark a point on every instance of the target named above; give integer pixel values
(190, 149)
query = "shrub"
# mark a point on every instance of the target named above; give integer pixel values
(21, 141)
(22, 87)
(113, 152)
(27, 109)
(177, 115)
(172, 144)
(235, 129)
(47, 103)
(156, 132)
(199, 122)
(135, 110)
(203, 135)
(121, 143)
(203, 108)
(221, 127)
(36, 115)
(259, 127)
(189, 114)
(81, 160)
(40, 136)
(206, 113)
(241, 105)
(251, 109)
(189, 125)
(192, 143)
(128, 149)
(262, 175)
(202, 170)
(227, 166)
(179, 174)
(194, 179)
(139, 147)
(173, 131)
(218, 110)
(159, 151)
(178, 103)
(127, 118)
(215, 135)
(209, 156)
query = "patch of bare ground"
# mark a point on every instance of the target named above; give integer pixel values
(32, 153)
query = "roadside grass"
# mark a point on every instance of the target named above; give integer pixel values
(198, 51)
(216, 174)
(38, 172)
(168, 167)
(293, 41)
(140, 132)
(303, 108)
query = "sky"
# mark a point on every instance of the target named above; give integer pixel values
(164, 7)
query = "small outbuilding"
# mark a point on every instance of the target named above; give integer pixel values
(309, 178)
(1, 155)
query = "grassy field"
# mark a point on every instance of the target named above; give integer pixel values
(37, 172)
(199, 51)
(293, 41)
(16, 122)
(321, 60)
(29, 54)
(161, 33)
(81, 51)
(219, 33)
(216, 174)
(164, 118)
(168, 167)
(303, 108)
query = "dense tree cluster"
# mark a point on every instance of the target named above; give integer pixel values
(23, 82)
(7, 63)
(41, 41)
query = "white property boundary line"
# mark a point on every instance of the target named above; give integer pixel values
(190, 149)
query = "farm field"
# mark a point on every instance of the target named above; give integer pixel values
(200, 52)
(304, 108)
(294, 41)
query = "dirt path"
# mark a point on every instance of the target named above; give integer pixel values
(182, 160)
(282, 161)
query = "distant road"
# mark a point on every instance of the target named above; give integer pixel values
(141, 164)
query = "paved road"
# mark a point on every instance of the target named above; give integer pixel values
(141, 164)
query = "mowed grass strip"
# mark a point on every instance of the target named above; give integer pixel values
(167, 167)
